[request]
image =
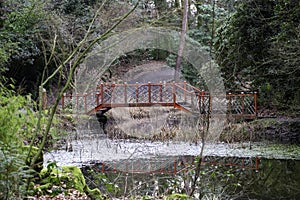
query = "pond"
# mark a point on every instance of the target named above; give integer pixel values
(275, 179)
(129, 167)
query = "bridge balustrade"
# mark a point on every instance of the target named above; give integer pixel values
(179, 95)
(134, 93)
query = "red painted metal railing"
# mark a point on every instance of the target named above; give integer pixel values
(178, 95)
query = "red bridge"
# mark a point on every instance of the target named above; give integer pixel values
(180, 95)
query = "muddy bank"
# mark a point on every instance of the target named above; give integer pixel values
(275, 130)
(278, 130)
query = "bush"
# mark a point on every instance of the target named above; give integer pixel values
(17, 120)
(13, 172)
(17, 125)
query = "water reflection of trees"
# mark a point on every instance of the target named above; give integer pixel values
(274, 179)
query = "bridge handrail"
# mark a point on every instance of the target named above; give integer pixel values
(178, 94)
(190, 92)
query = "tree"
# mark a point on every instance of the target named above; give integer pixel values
(20, 28)
(284, 72)
(203, 20)
(182, 40)
(241, 41)
(254, 47)
(19, 23)
(74, 58)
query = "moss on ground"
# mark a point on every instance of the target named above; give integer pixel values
(178, 197)
(56, 180)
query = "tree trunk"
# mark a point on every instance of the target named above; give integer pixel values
(182, 40)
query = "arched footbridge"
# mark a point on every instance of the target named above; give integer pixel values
(179, 95)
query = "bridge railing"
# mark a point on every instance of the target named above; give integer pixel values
(186, 96)
(79, 103)
(180, 95)
(240, 104)
(134, 93)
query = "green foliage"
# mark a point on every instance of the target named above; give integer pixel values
(259, 45)
(240, 43)
(21, 26)
(25, 17)
(202, 25)
(207, 18)
(178, 197)
(28, 156)
(17, 127)
(284, 71)
(19, 34)
(76, 7)
(56, 180)
(6, 47)
(100, 180)
(17, 119)
(17, 122)
(13, 172)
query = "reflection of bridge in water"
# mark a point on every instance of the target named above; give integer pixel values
(181, 95)
(174, 164)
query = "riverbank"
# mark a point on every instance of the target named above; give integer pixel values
(268, 130)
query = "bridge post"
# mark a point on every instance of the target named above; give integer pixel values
(101, 93)
(112, 97)
(174, 93)
(149, 91)
(184, 91)
(243, 163)
(243, 103)
(256, 163)
(85, 106)
(255, 103)
(202, 103)
(63, 101)
(210, 104)
(103, 168)
(229, 104)
(77, 108)
(97, 99)
(160, 92)
(175, 165)
(125, 92)
(137, 92)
